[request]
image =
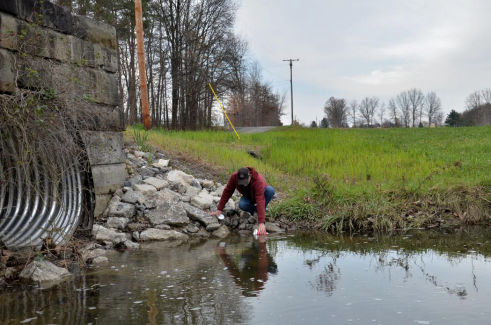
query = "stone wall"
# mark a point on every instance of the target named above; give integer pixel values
(76, 57)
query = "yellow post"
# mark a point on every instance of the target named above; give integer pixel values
(238, 137)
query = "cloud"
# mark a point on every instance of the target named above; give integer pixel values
(358, 48)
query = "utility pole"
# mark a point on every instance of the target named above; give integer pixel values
(141, 65)
(291, 82)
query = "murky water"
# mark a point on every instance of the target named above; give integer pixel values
(420, 278)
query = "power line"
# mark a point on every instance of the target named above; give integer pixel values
(291, 82)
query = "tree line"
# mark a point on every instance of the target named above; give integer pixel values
(478, 110)
(410, 108)
(188, 44)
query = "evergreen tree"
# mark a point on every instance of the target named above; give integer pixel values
(453, 119)
(324, 123)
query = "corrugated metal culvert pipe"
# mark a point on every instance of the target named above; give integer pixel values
(35, 202)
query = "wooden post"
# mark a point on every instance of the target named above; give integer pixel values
(141, 65)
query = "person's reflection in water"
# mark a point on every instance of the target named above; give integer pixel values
(250, 273)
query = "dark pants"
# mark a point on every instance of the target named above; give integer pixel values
(246, 205)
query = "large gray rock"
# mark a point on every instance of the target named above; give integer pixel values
(137, 179)
(117, 222)
(218, 191)
(100, 260)
(121, 210)
(191, 228)
(131, 245)
(212, 227)
(172, 214)
(144, 188)
(93, 253)
(149, 199)
(166, 196)
(161, 164)
(177, 177)
(160, 234)
(273, 227)
(205, 183)
(104, 234)
(221, 232)
(44, 271)
(203, 200)
(199, 215)
(156, 182)
(192, 191)
(133, 197)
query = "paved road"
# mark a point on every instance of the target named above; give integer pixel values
(257, 129)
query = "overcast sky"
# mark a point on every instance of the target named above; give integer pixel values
(357, 48)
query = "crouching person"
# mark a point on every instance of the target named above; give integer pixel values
(256, 194)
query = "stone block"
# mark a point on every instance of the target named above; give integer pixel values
(9, 28)
(34, 73)
(34, 40)
(47, 14)
(101, 202)
(103, 147)
(108, 178)
(85, 85)
(98, 117)
(7, 73)
(105, 58)
(9, 6)
(59, 46)
(106, 88)
(95, 32)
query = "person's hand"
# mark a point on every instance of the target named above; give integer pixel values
(261, 229)
(216, 213)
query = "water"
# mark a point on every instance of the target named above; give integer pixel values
(420, 278)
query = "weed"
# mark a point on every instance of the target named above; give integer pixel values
(355, 179)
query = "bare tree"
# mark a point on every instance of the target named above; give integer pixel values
(404, 105)
(381, 113)
(367, 109)
(478, 98)
(393, 112)
(352, 108)
(336, 112)
(432, 106)
(486, 94)
(416, 100)
(474, 100)
(438, 119)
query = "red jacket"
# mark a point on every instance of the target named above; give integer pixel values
(254, 192)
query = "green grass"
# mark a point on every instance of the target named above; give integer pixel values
(344, 177)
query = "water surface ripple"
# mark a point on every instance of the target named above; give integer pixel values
(416, 278)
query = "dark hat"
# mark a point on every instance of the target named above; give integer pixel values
(243, 176)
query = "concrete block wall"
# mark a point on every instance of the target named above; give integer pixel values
(75, 57)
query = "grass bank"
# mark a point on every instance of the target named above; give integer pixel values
(357, 179)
